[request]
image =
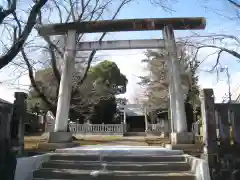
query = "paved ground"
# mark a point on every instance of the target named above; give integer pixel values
(31, 143)
(127, 142)
(122, 150)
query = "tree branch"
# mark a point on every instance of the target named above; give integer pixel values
(34, 84)
(54, 64)
(51, 48)
(5, 13)
(234, 3)
(100, 39)
(16, 47)
(233, 53)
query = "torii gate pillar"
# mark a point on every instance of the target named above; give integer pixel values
(178, 114)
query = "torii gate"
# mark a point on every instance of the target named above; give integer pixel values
(167, 25)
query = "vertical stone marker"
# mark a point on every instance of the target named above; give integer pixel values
(236, 124)
(17, 123)
(209, 126)
(222, 122)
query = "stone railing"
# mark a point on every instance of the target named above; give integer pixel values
(96, 128)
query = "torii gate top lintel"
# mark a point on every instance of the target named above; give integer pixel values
(123, 25)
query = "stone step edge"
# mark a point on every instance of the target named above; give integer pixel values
(117, 173)
(167, 154)
(120, 163)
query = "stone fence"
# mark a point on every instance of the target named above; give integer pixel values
(108, 129)
(97, 128)
(158, 128)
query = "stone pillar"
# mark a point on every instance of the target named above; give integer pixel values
(209, 126)
(178, 114)
(176, 92)
(18, 119)
(152, 116)
(146, 119)
(5, 120)
(221, 116)
(235, 123)
(65, 88)
(172, 97)
(60, 133)
(124, 121)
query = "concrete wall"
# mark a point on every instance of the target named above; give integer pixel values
(199, 167)
(27, 165)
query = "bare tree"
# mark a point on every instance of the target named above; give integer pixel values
(18, 32)
(219, 43)
(156, 82)
(61, 12)
(234, 3)
(71, 11)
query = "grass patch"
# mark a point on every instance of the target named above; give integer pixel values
(32, 142)
(30, 145)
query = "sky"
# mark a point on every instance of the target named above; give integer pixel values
(217, 14)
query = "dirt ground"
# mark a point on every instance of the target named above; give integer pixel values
(32, 142)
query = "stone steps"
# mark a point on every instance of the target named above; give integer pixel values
(120, 166)
(116, 163)
(62, 174)
(191, 149)
(153, 141)
(125, 158)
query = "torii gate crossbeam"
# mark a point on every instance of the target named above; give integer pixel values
(121, 44)
(167, 25)
(123, 25)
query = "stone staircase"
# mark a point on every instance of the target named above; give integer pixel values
(191, 149)
(142, 163)
(157, 141)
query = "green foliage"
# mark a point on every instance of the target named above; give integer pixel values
(157, 82)
(46, 81)
(105, 111)
(93, 100)
(34, 104)
(108, 73)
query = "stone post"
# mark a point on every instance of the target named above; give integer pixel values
(60, 134)
(209, 126)
(18, 119)
(15, 143)
(5, 120)
(5, 149)
(236, 124)
(146, 119)
(178, 114)
(124, 120)
(221, 115)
